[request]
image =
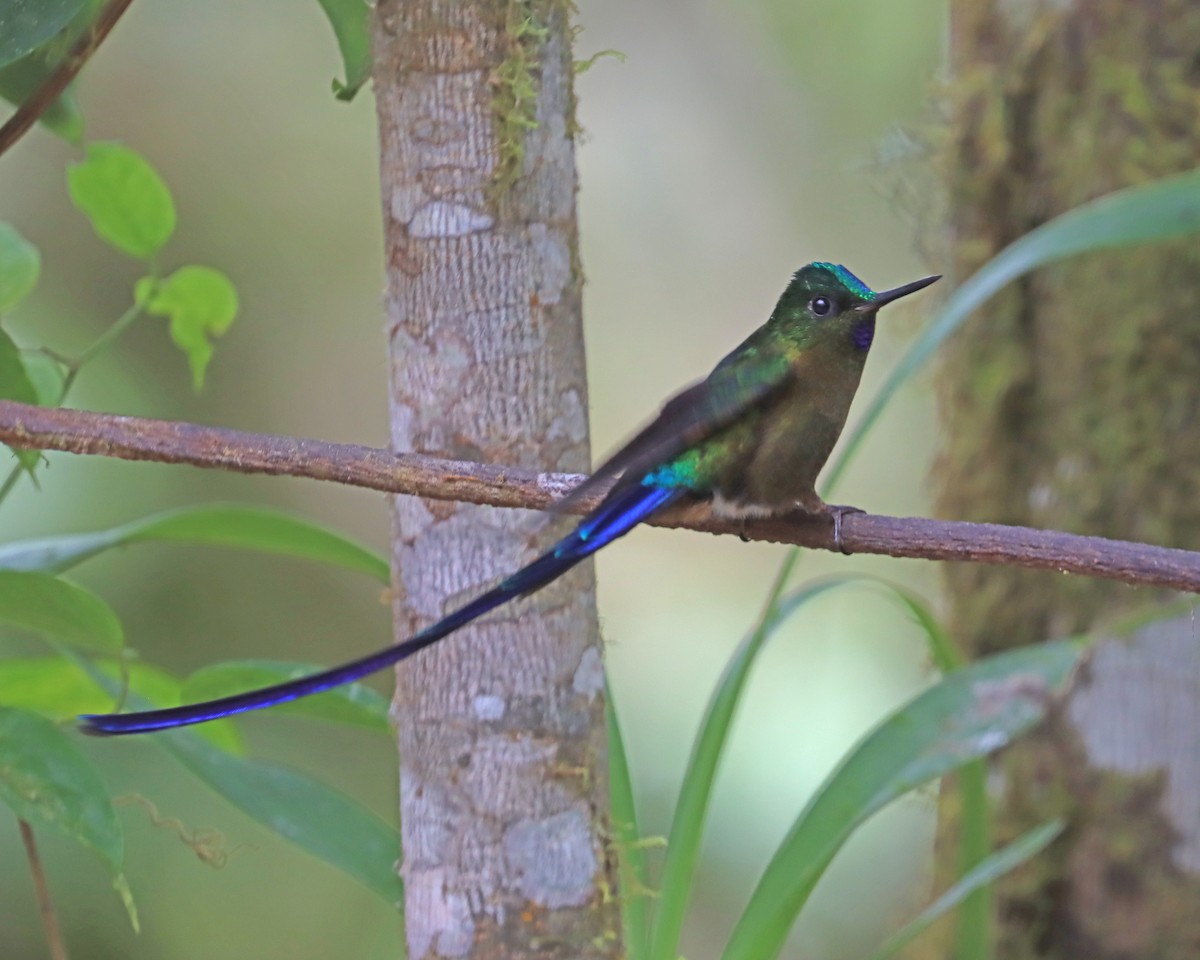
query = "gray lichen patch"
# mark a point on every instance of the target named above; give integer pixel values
(552, 260)
(589, 678)
(552, 858)
(441, 219)
(571, 423)
(1133, 719)
(488, 707)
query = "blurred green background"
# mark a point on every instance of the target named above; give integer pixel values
(734, 144)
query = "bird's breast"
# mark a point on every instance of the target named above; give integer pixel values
(789, 441)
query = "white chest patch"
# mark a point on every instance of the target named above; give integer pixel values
(737, 510)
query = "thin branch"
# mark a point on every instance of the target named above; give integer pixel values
(54, 937)
(39, 101)
(164, 441)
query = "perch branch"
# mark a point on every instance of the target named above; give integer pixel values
(135, 438)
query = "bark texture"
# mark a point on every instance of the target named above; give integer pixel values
(503, 767)
(1072, 401)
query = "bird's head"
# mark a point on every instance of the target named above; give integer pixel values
(827, 301)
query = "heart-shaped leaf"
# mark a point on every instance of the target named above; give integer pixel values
(201, 304)
(127, 201)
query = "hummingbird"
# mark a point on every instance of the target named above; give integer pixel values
(750, 438)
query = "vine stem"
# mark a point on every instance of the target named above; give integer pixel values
(54, 938)
(103, 342)
(28, 113)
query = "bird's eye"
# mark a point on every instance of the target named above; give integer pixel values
(820, 306)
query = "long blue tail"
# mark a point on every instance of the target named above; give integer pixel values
(614, 517)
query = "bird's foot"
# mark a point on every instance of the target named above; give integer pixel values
(743, 535)
(837, 511)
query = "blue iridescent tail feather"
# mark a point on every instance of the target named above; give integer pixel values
(624, 509)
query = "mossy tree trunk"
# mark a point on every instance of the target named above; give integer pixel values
(503, 763)
(1073, 401)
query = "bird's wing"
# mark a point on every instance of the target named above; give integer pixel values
(742, 381)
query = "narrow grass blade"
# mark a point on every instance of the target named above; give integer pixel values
(941, 650)
(988, 870)
(626, 838)
(967, 715)
(973, 933)
(695, 792)
(1145, 213)
(973, 937)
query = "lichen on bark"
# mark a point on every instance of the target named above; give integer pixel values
(502, 754)
(1070, 401)
(515, 83)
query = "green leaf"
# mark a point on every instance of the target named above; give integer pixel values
(15, 384)
(60, 609)
(992, 868)
(351, 22)
(216, 524)
(47, 376)
(50, 686)
(14, 378)
(627, 840)
(20, 79)
(351, 703)
(129, 205)
(975, 832)
(27, 24)
(695, 792)
(967, 715)
(973, 933)
(941, 650)
(46, 780)
(201, 303)
(58, 689)
(20, 264)
(315, 817)
(1146, 213)
(975, 839)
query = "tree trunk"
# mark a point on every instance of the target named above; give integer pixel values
(1072, 402)
(503, 772)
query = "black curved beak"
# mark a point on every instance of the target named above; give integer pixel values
(887, 296)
